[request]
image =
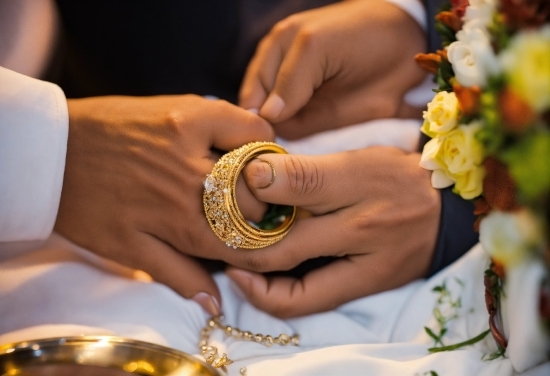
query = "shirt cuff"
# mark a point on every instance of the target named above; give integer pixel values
(34, 125)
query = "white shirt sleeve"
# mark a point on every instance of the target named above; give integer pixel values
(415, 9)
(34, 125)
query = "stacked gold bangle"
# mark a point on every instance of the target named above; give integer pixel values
(220, 202)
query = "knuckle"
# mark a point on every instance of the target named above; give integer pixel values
(288, 25)
(304, 177)
(254, 263)
(307, 38)
(363, 223)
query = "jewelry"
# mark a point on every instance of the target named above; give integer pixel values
(220, 202)
(273, 173)
(210, 353)
(88, 355)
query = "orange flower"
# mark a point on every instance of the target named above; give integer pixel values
(515, 113)
(498, 269)
(459, 7)
(498, 186)
(450, 19)
(429, 62)
(468, 98)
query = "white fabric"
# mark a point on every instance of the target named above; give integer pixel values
(33, 142)
(63, 290)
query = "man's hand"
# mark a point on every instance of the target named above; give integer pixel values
(374, 208)
(133, 183)
(335, 66)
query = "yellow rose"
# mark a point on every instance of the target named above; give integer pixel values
(526, 63)
(442, 114)
(469, 185)
(460, 151)
(456, 157)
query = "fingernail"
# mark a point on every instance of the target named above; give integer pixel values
(208, 302)
(243, 275)
(243, 278)
(272, 107)
(254, 110)
(260, 174)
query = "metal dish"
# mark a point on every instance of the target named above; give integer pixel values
(97, 355)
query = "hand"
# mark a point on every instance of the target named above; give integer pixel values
(335, 66)
(132, 189)
(374, 208)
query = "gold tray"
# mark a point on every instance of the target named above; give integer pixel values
(97, 355)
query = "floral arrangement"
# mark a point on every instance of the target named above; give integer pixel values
(489, 125)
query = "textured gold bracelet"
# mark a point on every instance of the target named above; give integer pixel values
(220, 201)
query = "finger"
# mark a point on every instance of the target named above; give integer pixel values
(322, 289)
(262, 71)
(251, 208)
(326, 235)
(181, 273)
(301, 73)
(231, 127)
(326, 110)
(317, 183)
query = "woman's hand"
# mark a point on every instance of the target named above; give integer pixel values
(133, 183)
(374, 208)
(334, 66)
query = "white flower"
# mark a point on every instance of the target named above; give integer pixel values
(429, 162)
(480, 10)
(440, 179)
(472, 56)
(526, 63)
(508, 237)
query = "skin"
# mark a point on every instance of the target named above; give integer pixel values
(334, 66)
(374, 209)
(134, 177)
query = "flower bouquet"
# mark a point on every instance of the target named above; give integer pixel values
(489, 125)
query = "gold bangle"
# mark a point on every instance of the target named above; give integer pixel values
(220, 202)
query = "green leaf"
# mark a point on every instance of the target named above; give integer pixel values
(460, 344)
(272, 216)
(434, 336)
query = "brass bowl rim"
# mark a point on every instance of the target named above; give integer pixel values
(67, 349)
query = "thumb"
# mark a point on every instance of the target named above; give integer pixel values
(181, 273)
(319, 184)
(300, 74)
